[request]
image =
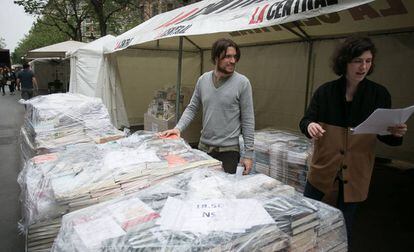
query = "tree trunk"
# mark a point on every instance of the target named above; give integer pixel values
(100, 15)
(78, 31)
(102, 27)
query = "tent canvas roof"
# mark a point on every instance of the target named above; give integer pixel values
(58, 50)
(95, 46)
(257, 23)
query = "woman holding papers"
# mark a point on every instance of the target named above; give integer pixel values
(342, 163)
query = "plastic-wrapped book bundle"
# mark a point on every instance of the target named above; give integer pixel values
(283, 155)
(331, 230)
(57, 183)
(263, 139)
(289, 161)
(162, 108)
(205, 210)
(52, 122)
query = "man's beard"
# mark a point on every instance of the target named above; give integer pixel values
(223, 70)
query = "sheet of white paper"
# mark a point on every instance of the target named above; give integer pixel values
(239, 171)
(203, 216)
(116, 159)
(381, 119)
(170, 214)
(92, 233)
(68, 184)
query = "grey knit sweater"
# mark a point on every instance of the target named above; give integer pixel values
(227, 111)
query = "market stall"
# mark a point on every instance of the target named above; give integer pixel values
(286, 47)
(48, 71)
(50, 67)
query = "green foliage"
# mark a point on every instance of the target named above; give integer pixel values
(40, 35)
(33, 7)
(115, 16)
(61, 20)
(124, 20)
(66, 15)
(109, 16)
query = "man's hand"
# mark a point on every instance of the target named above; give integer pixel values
(248, 164)
(315, 130)
(398, 130)
(170, 132)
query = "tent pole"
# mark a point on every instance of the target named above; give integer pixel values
(304, 37)
(113, 97)
(178, 85)
(192, 42)
(308, 74)
(302, 34)
(202, 61)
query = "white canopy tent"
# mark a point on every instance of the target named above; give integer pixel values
(86, 62)
(286, 47)
(58, 50)
(48, 70)
(49, 64)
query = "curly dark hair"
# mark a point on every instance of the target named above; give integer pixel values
(351, 48)
(221, 46)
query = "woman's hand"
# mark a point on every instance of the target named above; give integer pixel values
(315, 130)
(398, 130)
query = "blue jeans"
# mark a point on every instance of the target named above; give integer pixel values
(12, 87)
(27, 94)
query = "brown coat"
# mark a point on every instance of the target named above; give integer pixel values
(340, 151)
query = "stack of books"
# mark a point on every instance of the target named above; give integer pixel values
(55, 121)
(263, 140)
(289, 161)
(296, 217)
(331, 233)
(200, 210)
(41, 235)
(57, 183)
(283, 155)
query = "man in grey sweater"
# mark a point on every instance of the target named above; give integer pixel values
(226, 99)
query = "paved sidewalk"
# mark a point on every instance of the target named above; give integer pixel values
(11, 118)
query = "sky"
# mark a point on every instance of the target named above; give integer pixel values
(14, 23)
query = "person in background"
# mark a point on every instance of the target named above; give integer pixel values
(2, 81)
(13, 79)
(27, 82)
(226, 98)
(342, 163)
(16, 72)
(9, 78)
